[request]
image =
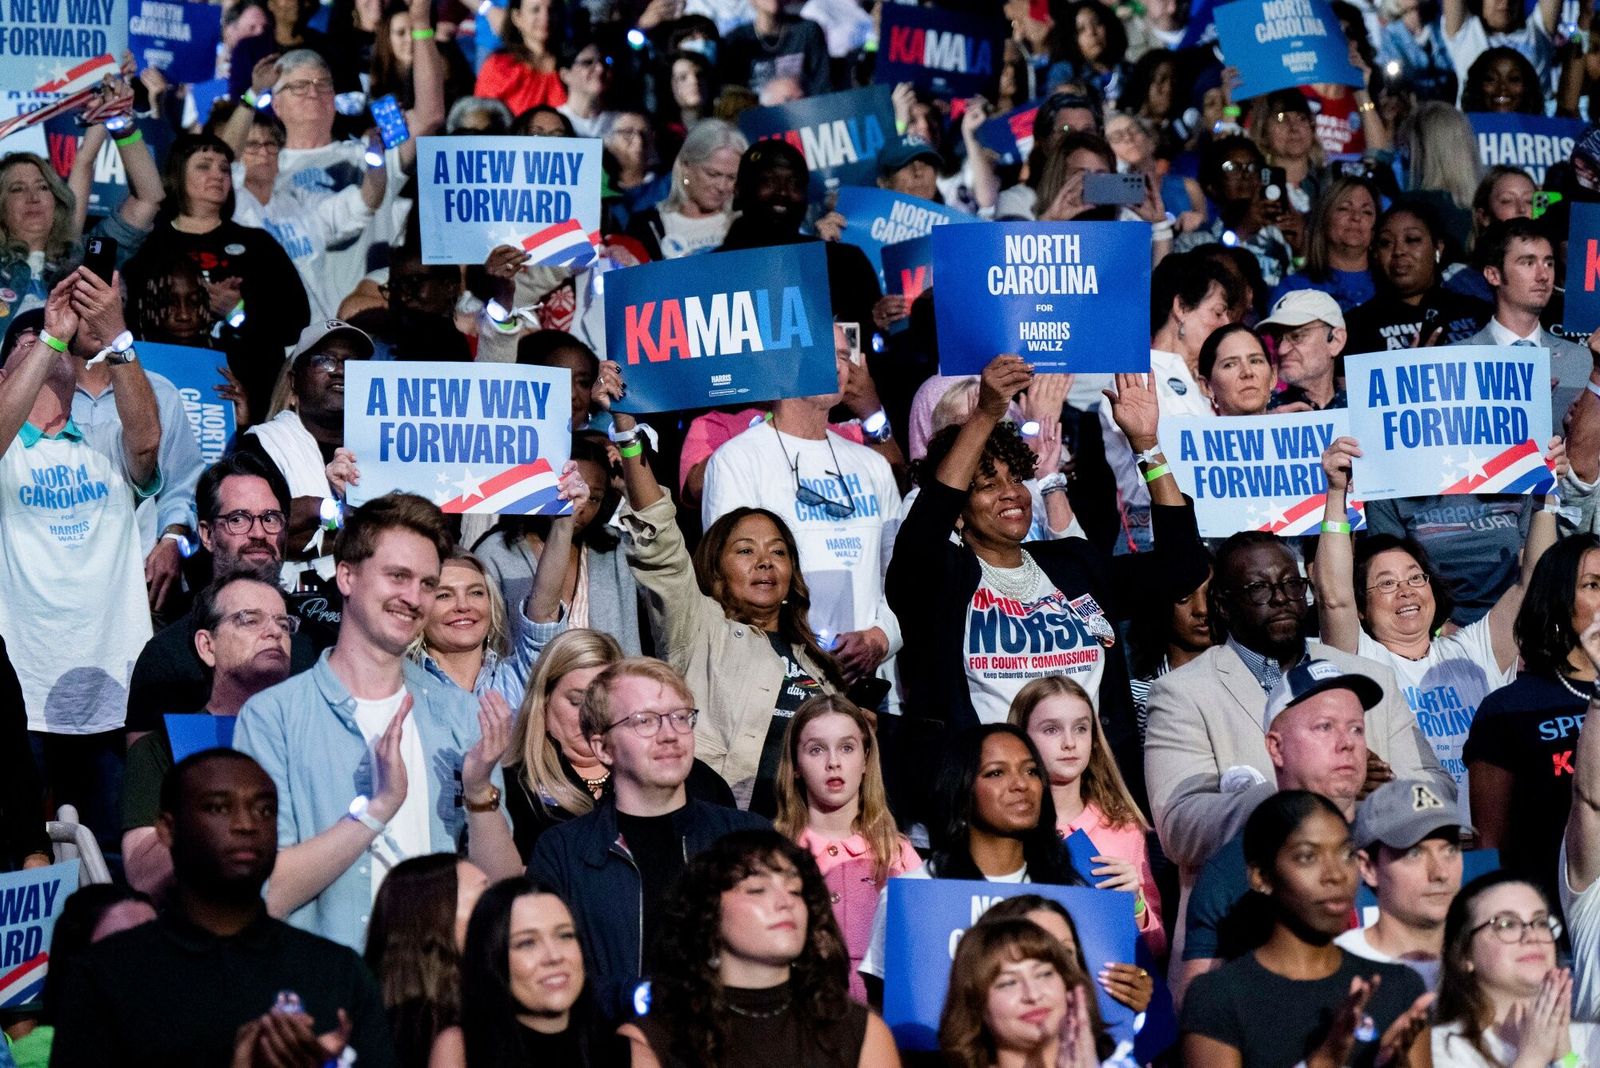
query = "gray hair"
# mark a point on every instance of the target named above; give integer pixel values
(478, 105)
(708, 137)
(300, 57)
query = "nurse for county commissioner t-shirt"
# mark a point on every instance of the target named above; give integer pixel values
(1011, 641)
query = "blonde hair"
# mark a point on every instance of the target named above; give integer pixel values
(1444, 154)
(873, 821)
(532, 749)
(499, 630)
(955, 405)
(1101, 783)
(60, 242)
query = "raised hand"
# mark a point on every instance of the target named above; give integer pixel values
(1336, 462)
(389, 767)
(1001, 380)
(494, 737)
(1135, 410)
(343, 471)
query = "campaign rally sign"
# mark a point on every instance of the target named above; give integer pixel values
(30, 901)
(43, 42)
(539, 193)
(1532, 142)
(471, 437)
(177, 38)
(907, 271)
(1010, 135)
(1058, 294)
(1256, 472)
(1581, 316)
(723, 328)
(840, 134)
(196, 373)
(926, 918)
(195, 733)
(1462, 419)
(1281, 44)
(878, 217)
(944, 52)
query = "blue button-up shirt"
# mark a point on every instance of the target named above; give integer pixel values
(303, 732)
(508, 674)
(178, 458)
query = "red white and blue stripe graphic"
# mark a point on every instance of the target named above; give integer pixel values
(1305, 517)
(527, 489)
(562, 245)
(1519, 469)
(25, 983)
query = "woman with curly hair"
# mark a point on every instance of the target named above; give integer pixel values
(750, 964)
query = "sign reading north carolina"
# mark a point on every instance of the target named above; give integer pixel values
(538, 193)
(1280, 44)
(470, 437)
(724, 328)
(195, 374)
(943, 52)
(1462, 419)
(176, 37)
(875, 218)
(840, 134)
(42, 41)
(1059, 295)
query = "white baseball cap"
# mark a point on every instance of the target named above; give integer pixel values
(1301, 306)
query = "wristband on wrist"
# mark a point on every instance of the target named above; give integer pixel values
(632, 449)
(131, 139)
(1156, 472)
(250, 97)
(53, 341)
(1334, 526)
(422, 35)
(1592, 388)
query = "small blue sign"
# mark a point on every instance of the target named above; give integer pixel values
(1010, 135)
(1532, 142)
(944, 52)
(196, 732)
(196, 373)
(1282, 44)
(30, 901)
(1581, 315)
(875, 218)
(176, 38)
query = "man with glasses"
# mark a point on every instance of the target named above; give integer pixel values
(614, 865)
(1206, 759)
(1310, 330)
(243, 634)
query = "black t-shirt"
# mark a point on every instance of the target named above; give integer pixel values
(1530, 728)
(657, 849)
(1273, 1021)
(1387, 322)
(797, 686)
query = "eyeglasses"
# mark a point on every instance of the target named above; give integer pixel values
(1297, 338)
(1233, 166)
(272, 521)
(326, 363)
(648, 724)
(1293, 588)
(1389, 586)
(319, 86)
(261, 146)
(1510, 928)
(256, 620)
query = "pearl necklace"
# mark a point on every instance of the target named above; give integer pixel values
(1573, 690)
(1018, 583)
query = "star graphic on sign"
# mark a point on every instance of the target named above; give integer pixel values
(1277, 519)
(470, 487)
(1448, 477)
(1473, 467)
(440, 496)
(444, 479)
(1256, 516)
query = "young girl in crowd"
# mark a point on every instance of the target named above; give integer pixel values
(831, 801)
(1089, 794)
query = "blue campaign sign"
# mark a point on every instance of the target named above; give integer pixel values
(840, 134)
(1532, 142)
(1582, 312)
(475, 193)
(196, 373)
(195, 733)
(723, 328)
(924, 922)
(43, 41)
(944, 52)
(908, 267)
(1462, 419)
(470, 437)
(1281, 44)
(1256, 472)
(30, 901)
(1056, 294)
(177, 38)
(877, 217)
(1010, 135)
(205, 95)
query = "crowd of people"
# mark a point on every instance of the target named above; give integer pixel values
(630, 784)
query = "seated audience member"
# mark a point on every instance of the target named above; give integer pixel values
(698, 209)
(1326, 1006)
(831, 801)
(1412, 305)
(639, 718)
(1231, 169)
(1127, 983)
(414, 944)
(1309, 329)
(774, 44)
(1206, 758)
(584, 68)
(1578, 871)
(1410, 857)
(749, 935)
(226, 982)
(242, 635)
(521, 73)
(376, 759)
(1504, 999)
(1338, 244)
(1165, 634)
(1235, 373)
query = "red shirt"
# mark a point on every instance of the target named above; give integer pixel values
(517, 85)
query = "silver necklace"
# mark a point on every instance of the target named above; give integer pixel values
(1017, 583)
(1573, 690)
(756, 1014)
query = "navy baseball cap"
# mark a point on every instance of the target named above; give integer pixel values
(1312, 677)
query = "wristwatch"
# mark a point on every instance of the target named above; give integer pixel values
(359, 813)
(875, 427)
(119, 352)
(491, 805)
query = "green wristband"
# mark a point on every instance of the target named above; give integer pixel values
(422, 35)
(631, 449)
(54, 342)
(1334, 526)
(132, 139)
(1156, 472)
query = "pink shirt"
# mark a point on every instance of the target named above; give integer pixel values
(1125, 843)
(847, 867)
(709, 432)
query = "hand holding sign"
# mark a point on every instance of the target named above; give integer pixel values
(1003, 379)
(342, 471)
(1337, 460)
(1129, 984)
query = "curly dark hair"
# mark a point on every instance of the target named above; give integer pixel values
(1473, 93)
(1543, 629)
(686, 989)
(1005, 445)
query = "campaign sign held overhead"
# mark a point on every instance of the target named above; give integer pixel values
(196, 373)
(1281, 44)
(1581, 314)
(1532, 142)
(840, 134)
(723, 328)
(44, 43)
(470, 437)
(30, 901)
(875, 218)
(179, 39)
(1057, 294)
(944, 52)
(538, 193)
(1010, 135)
(1461, 419)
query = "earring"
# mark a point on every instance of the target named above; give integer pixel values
(715, 961)
(1180, 329)
(1437, 256)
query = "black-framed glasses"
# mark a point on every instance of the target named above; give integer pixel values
(256, 620)
(1510, 928)
(1389, 586)
(648, 724)
(1293, 588)
(236, 523)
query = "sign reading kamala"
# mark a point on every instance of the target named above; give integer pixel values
(1058, 294)
(1257, 472)
(1582, 312)
(475, 193)
(471, 437)
(42, 40)
(195, 373)
(1532, 142)
(840, 134)
(723, 328)
(30, 901)
(1280, 44)
(177, 38)
(1450, 420)
(877, 217)
(941, 51)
